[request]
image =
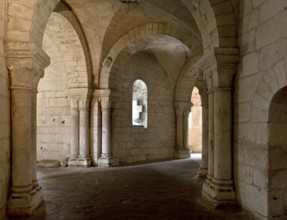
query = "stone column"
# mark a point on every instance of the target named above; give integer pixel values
(107, 158)
(186, 112)
(95, 130)
(34, 141)
(26, 63)
(222, 179)
(221, 64)
(84, 132)
(204, 158)
(181, 109)
(210, 126)
(80, 141)
(74, 129)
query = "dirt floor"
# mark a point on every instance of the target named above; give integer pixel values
(163, 190)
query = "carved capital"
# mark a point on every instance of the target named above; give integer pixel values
(80, 102)
(222, 64)
(26, 63)
(24, 74)
(84, 102)
(74, 102)
(106, 104)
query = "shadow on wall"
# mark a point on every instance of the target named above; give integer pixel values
(277, 193)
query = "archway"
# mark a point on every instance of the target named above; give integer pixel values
(63, 94)
(195, 123)
(277, 150)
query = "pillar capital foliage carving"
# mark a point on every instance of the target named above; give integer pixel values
(26, 63)
(219, 65)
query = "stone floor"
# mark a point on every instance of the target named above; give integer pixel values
(163, 190)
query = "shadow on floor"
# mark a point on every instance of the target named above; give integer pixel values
(164, 190)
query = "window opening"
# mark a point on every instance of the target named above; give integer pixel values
(139, 104)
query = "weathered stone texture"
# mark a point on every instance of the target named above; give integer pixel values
(106, 45)
(67, 71)
(4, 120)
(135, 144)
(261, 74)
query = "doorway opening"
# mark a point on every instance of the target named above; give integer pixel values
(277, 149)
(195, 125)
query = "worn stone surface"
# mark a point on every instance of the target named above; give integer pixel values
(145, 196)
(99, 48)
(48, 163)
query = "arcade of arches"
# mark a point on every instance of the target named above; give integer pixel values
(67, 76)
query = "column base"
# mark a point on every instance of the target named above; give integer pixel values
(108, 161)
(202, 172)
(79, 162)
(182, 154)
(23, 204)
(219, 193)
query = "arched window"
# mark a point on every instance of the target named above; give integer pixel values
(139, 105)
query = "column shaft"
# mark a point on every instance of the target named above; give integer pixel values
(204, 158)
(185, 128)
(182, 109)
(210, 135)
(22, 141)
(107, 158)
(34, 140)
(74, 132)
(179, 132)
(84, 133)
(222, 141)
(106, 132)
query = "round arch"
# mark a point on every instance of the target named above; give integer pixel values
(268, 106)
(277, 155)
(139, 34)
(216, 21)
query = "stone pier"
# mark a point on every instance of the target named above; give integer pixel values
(26, 64)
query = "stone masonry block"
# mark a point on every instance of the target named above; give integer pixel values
(272, 54)
(250, 64)
(270, 10)
(264, 91)
(243, 112)
(280, 73)
(269, 32)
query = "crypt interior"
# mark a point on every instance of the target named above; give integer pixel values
(92, 86)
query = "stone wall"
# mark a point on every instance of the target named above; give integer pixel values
(261, 73)
(53, 109)
(4, 120)
(277, 145)
(132, 143)
(67, 71)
